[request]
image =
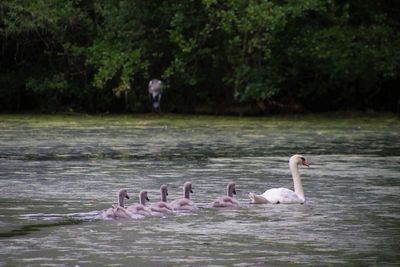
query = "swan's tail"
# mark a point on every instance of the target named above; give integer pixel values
(257, 199)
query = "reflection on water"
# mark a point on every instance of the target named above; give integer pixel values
(55, 180)
(27, 229)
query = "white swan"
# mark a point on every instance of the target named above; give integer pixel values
(140, 208)
(227, 201)
(118, 212)
(162, 206)
(284, 195)
(184, 204)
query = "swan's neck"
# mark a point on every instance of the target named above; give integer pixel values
(186, 192)
(142, 199)
(121, 201)
(230, 191)
(298, 187)
(163, 196)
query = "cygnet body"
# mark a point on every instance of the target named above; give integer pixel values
(140, 207)
(227, 201)
(184, 204)
(162, 206)
(118, 212)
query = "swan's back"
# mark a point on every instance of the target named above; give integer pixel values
(183, 204)
(117, 212)
(282, 196)
(161, 207)
(225, 202)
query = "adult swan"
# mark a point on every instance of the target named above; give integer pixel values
(284, 195)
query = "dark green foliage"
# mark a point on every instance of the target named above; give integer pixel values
(213, 56)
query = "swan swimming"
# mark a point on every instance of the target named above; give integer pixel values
(140, 208)
(284, 195)
(162, 206)
(184, 204)
(226, 201)
(118, 212)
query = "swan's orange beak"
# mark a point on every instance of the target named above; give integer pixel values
(305, 162)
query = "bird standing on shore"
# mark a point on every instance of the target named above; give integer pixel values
(155, 91)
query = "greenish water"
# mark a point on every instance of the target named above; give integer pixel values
(58, 172)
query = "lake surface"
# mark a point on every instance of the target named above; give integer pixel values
(57, 174)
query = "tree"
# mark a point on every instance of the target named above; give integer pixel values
(99, 55)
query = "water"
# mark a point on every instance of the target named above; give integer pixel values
(56, 177)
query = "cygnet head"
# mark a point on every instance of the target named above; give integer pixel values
(231, 188)
(164, 192)
(299, 160)
(122, 194)
(143, 197)
(187, 189)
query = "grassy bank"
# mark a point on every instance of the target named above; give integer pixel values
(374, 119)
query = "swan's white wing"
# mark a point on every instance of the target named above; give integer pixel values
(282, 195)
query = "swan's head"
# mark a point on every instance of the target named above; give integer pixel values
(164, 190)
(188, 187)
(300, 160)
(123, 194)
(231, 189)
(143, 197)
